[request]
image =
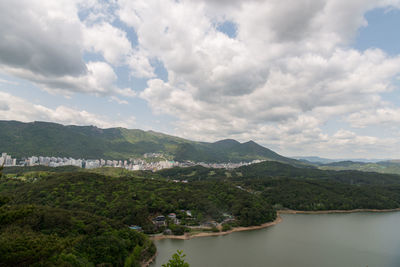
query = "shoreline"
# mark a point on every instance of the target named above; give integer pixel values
(265, 225)
(278, 219)
(149, 261)
(188, 236)
(334, 211)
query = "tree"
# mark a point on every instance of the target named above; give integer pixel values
(177, 260)
(1, 169)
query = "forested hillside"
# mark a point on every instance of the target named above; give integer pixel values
(45, 236)
(137, 200)
(51, 139)
(390, 166)
(268, 169)
(87, 212)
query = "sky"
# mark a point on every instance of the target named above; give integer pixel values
(305, 77)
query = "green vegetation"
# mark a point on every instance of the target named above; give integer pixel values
(40, 168)
(195, 173)
(227, 150)
(51, 139)
(136, 201)
(286, 186)
(226, 227)
(177, 260)
(380, 167)
(277, 169)
(50, 216)
(314, 195)
(44, 236)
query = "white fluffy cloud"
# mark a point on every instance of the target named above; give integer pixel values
(116, 49)
(41, 37)
(44, 42)
(99, 79)
(16, 108)
(288, 71)
(380, 116)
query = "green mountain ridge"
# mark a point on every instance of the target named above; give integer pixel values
(392, 166)
(51, 139)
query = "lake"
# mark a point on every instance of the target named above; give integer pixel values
(301, 240)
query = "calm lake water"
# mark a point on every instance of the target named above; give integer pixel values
(301, 240)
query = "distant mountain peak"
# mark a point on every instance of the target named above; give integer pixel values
(227, 141)
(251, 142)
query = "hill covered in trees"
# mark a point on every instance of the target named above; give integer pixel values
(390, 166)
(137, 200)
(268, 169)
(77, 209)
(50, 139)
(46, 236)
(288, 187)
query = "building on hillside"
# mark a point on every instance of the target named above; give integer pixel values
(210, 224)
(172, 217)
(136, 227)
(160, 221)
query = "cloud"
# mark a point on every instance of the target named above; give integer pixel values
(380, 116)
(8, 82)
(116, 49)
(3, 106)
(100, 79)
(45, 41)
(119, 101)
(110, 41)
(288, 71)
(41, 37)
(15, 108)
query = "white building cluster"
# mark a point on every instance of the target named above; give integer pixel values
(7, 160)
(51, 161)
(133, 164)
(228, 165)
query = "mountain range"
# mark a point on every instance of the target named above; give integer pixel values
(319, 160)
(51, 139)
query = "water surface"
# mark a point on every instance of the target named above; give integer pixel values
(301, 240)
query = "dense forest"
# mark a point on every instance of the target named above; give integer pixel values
(390, 166)
(135, 200)
(45, 236)
(268, 169)
(314, 195)
(86, 213)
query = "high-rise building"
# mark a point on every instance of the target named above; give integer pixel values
(8, 160)
(33, 160)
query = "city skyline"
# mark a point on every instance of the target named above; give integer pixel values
(157, 162)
